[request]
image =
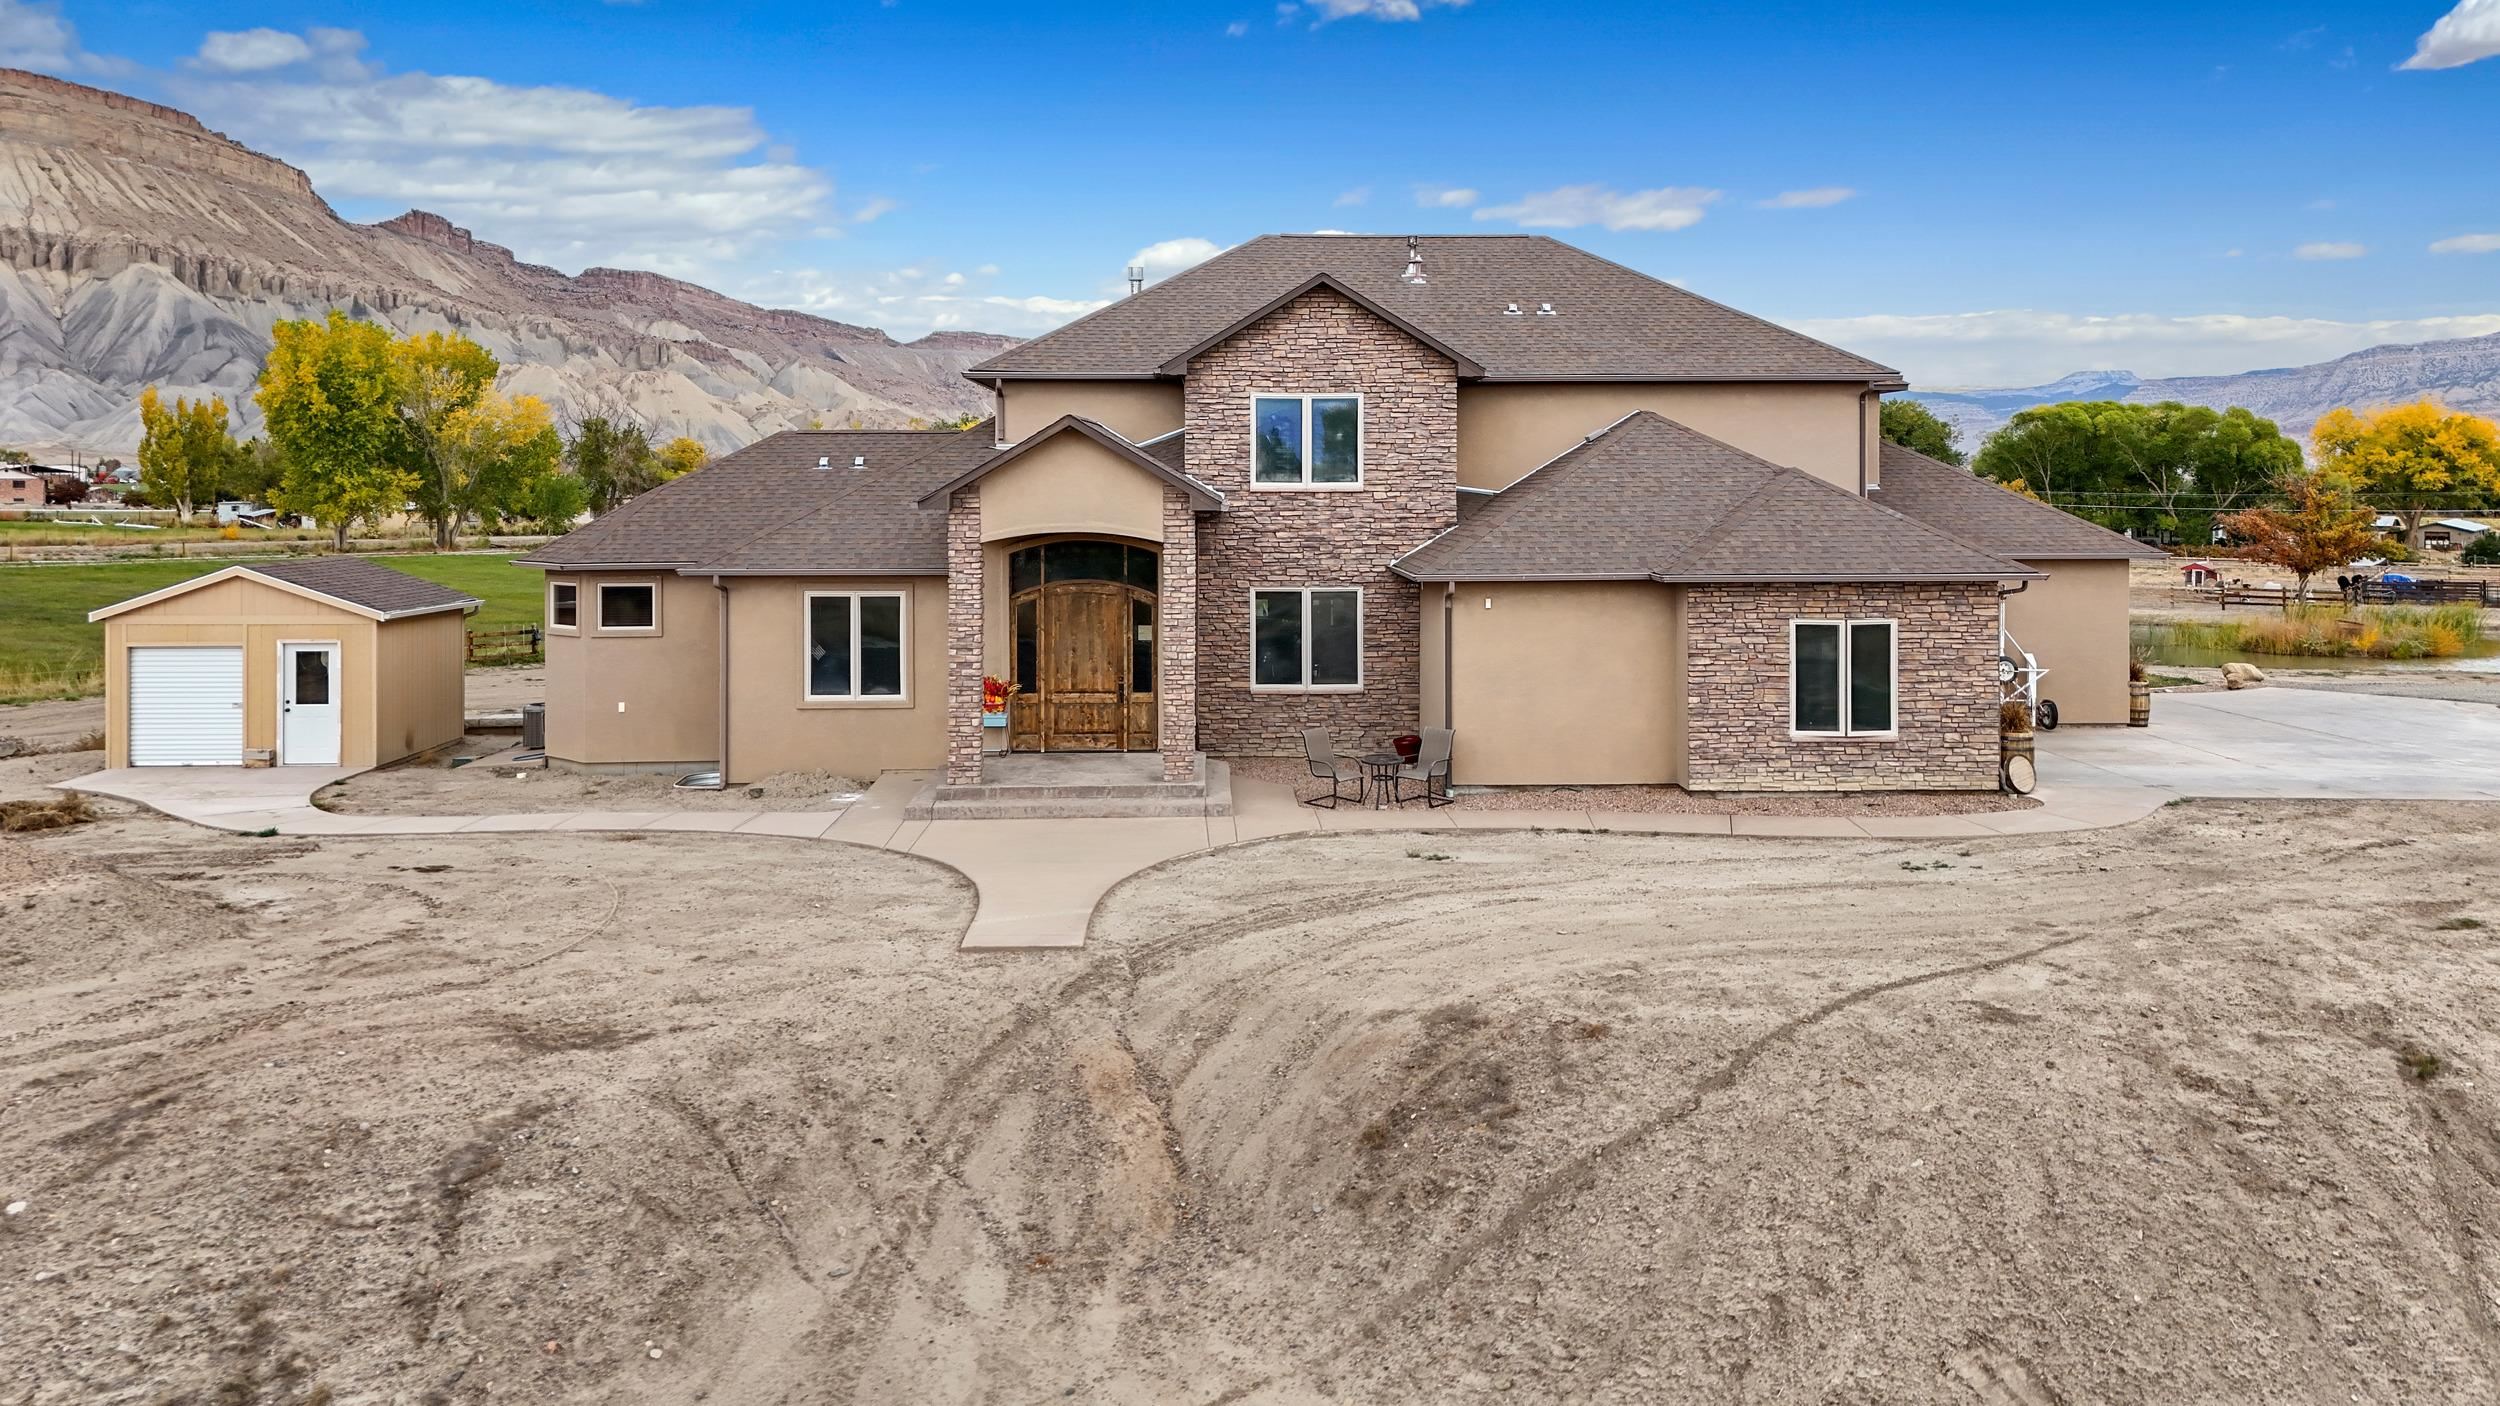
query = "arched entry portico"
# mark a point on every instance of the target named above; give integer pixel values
(1082, 620)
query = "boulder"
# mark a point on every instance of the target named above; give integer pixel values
(2239, 673)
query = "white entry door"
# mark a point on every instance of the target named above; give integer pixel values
(186, 706)
(308, 705)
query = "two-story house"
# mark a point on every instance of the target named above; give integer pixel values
(1607, 530)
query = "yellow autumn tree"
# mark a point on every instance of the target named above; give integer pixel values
(184, 451)
(2412, 460)
(682, 456)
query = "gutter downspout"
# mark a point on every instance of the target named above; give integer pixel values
(1449, 666)
(723, 589)
(1879, 398)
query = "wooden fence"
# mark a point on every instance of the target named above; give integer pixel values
(2276, 596)
(506, 646)
(2452, 591)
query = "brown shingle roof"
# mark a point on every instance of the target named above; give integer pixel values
(1649, 499)
(1990, 518)
(372, 585)
(1609, 322)
(760, 504)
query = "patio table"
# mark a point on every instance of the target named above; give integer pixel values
(1380, 775)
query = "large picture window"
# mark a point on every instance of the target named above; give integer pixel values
(1306, 639)
(1841, 678)
(1306, 441)
(854, 646)
(629, 605)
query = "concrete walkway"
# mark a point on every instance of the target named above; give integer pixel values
(1040, 880)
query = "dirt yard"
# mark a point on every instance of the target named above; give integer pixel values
(490, 784)
(2118, 1116)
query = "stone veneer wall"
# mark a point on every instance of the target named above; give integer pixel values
(1176, 639)
(963, 636)
(1945, 708)
(1319, 344)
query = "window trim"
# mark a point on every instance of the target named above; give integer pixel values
(808, 697)
(576, 588)
(1361, 629)
(599, 608)
(1309, 428)
(1846, 733)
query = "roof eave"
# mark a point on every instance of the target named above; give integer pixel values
(1840, 578)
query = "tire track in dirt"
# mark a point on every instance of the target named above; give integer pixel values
(1576, 1173)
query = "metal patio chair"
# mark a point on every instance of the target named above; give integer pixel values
(1431, 764)
(1320, 755)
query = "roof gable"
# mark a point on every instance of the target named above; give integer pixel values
(1649, 499)
(1990, 517)
(1201, 497)
(353, 584)
(1178, 364)
(1608, 322)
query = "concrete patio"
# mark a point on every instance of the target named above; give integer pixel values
(1040, 880)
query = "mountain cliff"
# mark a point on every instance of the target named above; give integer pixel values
(139, 248)
(2462, 374)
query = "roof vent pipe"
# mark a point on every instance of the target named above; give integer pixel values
(859, 461)
(1414, 262)
(1511, 311)
(1136, 279)
(824, 461)
(1545, 310)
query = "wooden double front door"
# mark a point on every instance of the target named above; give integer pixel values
(1085, 666)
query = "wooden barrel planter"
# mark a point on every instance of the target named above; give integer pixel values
(2017, 769)
(2139, 704)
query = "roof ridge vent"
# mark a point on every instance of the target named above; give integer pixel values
(1414, 263)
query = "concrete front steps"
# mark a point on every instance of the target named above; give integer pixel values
(1076, 786)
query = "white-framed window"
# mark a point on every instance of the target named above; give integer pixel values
(564, 607)
(855, 646)
(1306, 441)
(629, 607)
(1307, 639)
(1842, 677)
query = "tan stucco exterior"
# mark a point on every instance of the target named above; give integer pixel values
(655, 694)
(1560, 683)
(1135, 409)
(1507, 429)
(399, 681)
(2076, 622)
(1071, 485)
(772, 725)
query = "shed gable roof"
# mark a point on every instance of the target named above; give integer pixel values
(354, 584)
(1609, 322)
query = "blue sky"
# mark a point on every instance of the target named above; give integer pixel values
(1981, 194)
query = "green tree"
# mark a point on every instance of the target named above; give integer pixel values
(682, 456)
(330, 397)
(441, 377)
(2412, 460)
(256, 472)
(491, 452)
(551, 501)
(613, 461)
(1908, 424)
(2482, 551)
(184, 451)
(2164, 467)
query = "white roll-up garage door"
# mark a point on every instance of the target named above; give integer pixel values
(186, 706)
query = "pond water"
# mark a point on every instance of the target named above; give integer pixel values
(2480, 657)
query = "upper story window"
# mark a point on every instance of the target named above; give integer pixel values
(563, 606)
(1306, 441)
(629, 605)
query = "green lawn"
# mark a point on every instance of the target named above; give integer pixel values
(48, 650)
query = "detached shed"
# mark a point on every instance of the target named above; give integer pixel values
(323, 661)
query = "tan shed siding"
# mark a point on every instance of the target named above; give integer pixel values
(1566, 683)
(1738, 686)
(419, 694)
(668, 681)
(1071, 485)
(256, 617)
(1135, 409)
(2076, 622)
(1507, 429)
(772, 726)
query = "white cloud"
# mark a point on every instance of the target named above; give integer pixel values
(2023, 346)
(1445, 197)
(2330, 250)
(34, 35)
(872, 207)
(250, 50)
(913, 301)
(564, 176)
(1236, 29)
(1356, 196)
(1570, 207)
(2468, 244)
(1167, 257)
(1813, 199)
(1328, 10)
(2470, 31)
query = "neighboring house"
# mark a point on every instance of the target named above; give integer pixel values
(2443, 534)
(1608, 530)
(19, 488)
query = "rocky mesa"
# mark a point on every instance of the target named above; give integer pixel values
(139, 248)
